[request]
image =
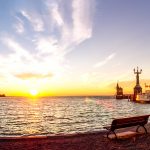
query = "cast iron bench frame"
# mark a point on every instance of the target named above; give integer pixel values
(138, 121)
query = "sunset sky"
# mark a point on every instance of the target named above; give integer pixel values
(73, 47)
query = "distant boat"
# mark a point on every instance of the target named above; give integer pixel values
(2, 95)
(144, 97)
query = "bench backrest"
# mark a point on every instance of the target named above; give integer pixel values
(128, 122)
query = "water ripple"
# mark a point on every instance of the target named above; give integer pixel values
(59, 115)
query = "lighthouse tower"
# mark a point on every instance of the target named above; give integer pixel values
(137, 88)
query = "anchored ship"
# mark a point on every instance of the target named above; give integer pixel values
(144, 97)
(2, 95)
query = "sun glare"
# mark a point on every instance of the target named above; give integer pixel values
(34, 92)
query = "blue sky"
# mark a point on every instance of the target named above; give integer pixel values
(72, 47)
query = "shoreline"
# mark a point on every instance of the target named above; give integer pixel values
(78, 141)
(48, 136)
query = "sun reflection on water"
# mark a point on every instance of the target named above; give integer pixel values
(50, 115)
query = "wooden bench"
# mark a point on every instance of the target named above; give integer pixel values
(138, 121)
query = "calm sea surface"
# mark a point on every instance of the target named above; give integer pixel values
(59, 115)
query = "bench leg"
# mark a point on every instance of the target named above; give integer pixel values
(143, 127)
(113, 133)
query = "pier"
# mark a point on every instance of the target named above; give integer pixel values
(137, 89)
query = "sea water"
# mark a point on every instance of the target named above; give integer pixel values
(62, 115)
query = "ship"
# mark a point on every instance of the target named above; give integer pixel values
(144, 97)
(2, 95)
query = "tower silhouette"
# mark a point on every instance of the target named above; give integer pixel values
(119, 92)
(137, 88)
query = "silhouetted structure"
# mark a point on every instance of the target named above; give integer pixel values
(137, 88)
(119, 92)
(2, 95)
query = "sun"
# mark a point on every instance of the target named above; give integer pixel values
(33, 92)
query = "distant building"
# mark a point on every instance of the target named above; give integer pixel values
(119, 92)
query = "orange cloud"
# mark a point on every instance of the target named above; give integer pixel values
(129, 85)
(25, 76)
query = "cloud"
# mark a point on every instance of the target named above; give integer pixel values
(46, 45)
(105, 61)
(49, 34)
(63, 34)
(18, 58)
(25, 76)
(92, 78)
(82, 20)
(56, 15)
(19, 26)
(70, 32)
(15, 47)
(34, 20)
